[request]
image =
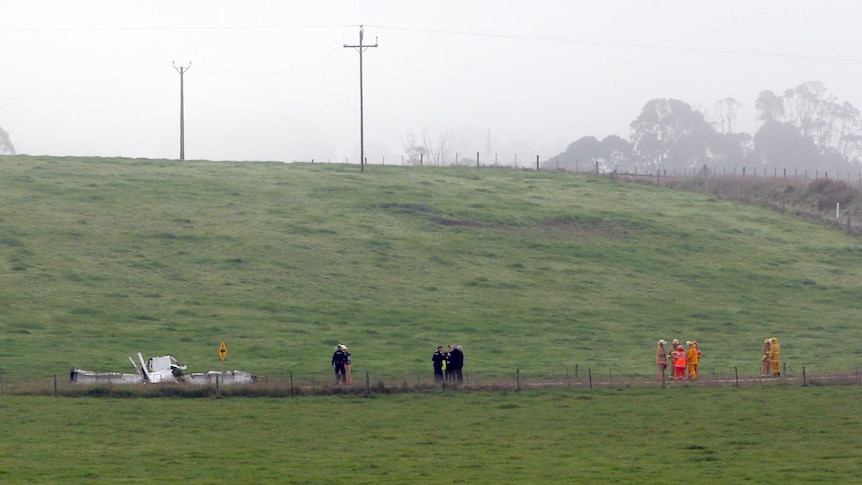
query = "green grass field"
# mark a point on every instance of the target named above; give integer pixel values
(754, 435)
(102, 258)
(542, 272)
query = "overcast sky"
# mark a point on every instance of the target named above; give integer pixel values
(271, 80)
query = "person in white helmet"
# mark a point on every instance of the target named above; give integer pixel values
(661, 359)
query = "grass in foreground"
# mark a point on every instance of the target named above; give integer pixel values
(772, 435)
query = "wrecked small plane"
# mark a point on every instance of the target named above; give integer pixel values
(165, 368)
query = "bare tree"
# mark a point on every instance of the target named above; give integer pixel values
(727, 109)
(434, 150)
(415, 152)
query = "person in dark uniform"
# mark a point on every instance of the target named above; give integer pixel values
(456, 360)
(438, 359)
(339, 360)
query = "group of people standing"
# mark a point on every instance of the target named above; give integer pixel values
(685, 359)
(769, 358)
(341, 362)
(448, 365)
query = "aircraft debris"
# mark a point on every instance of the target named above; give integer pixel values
(161, 369)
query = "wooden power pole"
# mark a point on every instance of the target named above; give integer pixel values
(182, 71)
(361, 48)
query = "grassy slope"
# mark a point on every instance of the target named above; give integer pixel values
(102, 258)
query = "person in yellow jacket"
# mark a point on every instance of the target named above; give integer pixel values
(765, 364)
(774, 357)
(692, 358)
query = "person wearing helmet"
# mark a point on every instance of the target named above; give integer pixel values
(437, 361)
(692, 358)
(775, 356)
(679, 363)
(765, 364)
(339, 360)
(674, 344)
(661, 360)
(347, 379)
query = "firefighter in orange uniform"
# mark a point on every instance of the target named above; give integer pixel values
(679, 363)
(765, 364)
(692, 359)
(775, 356)
(661, 359)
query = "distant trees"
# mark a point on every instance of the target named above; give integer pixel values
(805, 127)
(670, 134)
(6, 147)
(823, 132)
(612, 153)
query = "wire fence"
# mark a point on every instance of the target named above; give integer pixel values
(294, 384)
(633, 170)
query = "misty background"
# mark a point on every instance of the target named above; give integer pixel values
(631, 84)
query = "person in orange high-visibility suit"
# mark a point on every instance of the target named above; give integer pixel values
(661, 359)
(679, 363)
(347, 379)
(775, 356)
(765, 364)
(692, 358)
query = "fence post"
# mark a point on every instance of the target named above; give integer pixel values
(611, 374)
(590, 372)
(518, 379)
(537, 163)
(477, 159)
(804, 383)
(736, 371)
(367, 381)
(292, 392)
(56, 390)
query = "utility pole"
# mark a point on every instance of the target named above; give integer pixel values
(182, 71)
(361, 48)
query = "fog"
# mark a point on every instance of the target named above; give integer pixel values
(272, 80)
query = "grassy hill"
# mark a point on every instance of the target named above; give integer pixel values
(102, 258)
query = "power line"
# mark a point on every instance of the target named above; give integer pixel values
(169, 28)
(441, 31)
(622, 44)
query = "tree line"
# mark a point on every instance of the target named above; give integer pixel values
(804, 128)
